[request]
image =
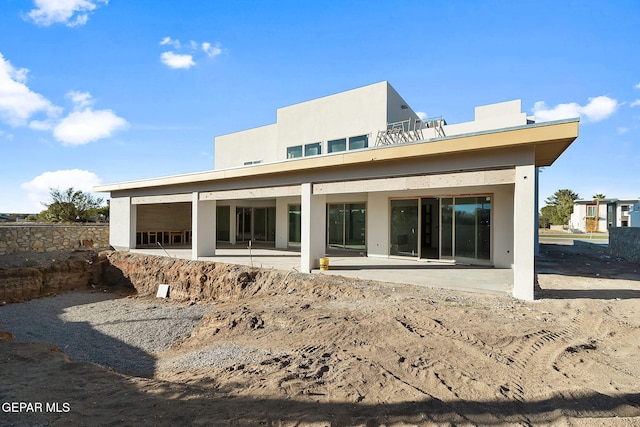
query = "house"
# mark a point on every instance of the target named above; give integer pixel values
(589, 216)
(361, 171)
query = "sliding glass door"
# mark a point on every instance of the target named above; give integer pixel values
(346, 228)
(448, 228)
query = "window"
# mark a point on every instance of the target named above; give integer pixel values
(337, 145)
(591, 211)
(357, 142)
(313, 149)
(625, 208)
(293, 152)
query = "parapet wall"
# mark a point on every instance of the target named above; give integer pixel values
(624, 242)
(26, 238)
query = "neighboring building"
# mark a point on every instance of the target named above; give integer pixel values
(7, 218)
(360, 171)
(610, 213)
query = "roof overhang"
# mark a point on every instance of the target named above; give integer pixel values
(548, 140)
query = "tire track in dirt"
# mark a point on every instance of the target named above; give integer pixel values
(537, 349)
(434, 329)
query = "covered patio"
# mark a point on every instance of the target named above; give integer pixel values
(434, 274)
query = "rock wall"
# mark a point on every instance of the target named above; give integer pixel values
(79, 271)
(624, 242)
(27, 238)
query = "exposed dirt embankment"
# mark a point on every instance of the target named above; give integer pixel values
(207, 281)
(47, 274)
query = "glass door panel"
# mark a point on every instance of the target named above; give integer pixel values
(260, 224)
(404, 227)
(336, 226)
(222, 223)
(355, 227)
(295, 225)
(243, 224)
(446, 228)
(473, 227)
(271, 224)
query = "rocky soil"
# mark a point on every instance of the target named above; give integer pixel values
(318, 350)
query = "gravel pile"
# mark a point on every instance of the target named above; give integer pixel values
(120, 333)
(214, 356)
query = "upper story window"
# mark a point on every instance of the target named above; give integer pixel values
(357, 142)
(625, 208)
(591, 211)
(293, 152)
(313, 149)
(337, 145)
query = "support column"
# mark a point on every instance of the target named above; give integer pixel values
(122, 223)
(524, 232)
(537, 217)
(313, 228)
(203, 227)
(282, 223)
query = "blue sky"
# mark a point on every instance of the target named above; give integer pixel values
(96, 92)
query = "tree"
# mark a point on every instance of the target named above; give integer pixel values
(559, 207)
(71, 205)
(598, 198)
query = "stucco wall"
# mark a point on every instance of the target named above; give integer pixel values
(51, 237)
(624, 242)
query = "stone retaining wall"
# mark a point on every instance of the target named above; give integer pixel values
(26, 238)
(624, 242)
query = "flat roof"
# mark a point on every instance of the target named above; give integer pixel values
(549, 139)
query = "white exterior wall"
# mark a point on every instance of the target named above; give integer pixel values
(362, 111)
(489, 117)
(257, 144)
(352, 113)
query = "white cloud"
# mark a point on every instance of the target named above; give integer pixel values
(622, 130)
(17, 102)
(38, 189)
(635, 103)
(598, 108)
(637, 86)
(177, 60)
(169, 41)
(211, 51)
(87, 125)
(80, 99)
(421, 114)
(68, 12)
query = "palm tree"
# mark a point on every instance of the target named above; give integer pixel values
(598, 198)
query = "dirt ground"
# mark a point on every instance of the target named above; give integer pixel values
(345, 353)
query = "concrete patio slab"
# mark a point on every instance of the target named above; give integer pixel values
(435, 274)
